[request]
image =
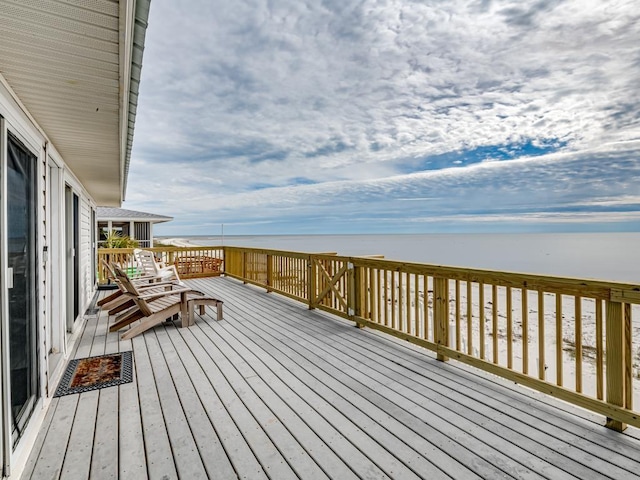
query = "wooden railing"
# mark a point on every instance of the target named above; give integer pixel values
(191, 262)
(570, 338)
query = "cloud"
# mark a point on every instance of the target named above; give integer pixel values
(288, 110)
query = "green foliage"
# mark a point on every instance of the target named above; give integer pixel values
(115, 239)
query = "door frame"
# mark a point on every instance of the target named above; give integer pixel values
(71, 228)
(53, 254)
(11, 450)
(4, 310)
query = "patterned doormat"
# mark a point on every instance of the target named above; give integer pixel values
(93, 373)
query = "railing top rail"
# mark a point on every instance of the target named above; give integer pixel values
(606, 290)
(268, 251)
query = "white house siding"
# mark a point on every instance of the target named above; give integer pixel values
(19, 123)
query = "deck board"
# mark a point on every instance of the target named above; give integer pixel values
(536, 447)
(244, 462)
(277, 391)
(361, 404)
(212, 454)
(309, 382)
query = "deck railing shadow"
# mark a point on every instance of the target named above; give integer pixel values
(570, 338)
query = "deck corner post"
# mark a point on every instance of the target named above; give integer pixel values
(244, 267)
(355, 293)
(616, 356)
(441, 314)
(312, 273)
(269, 273)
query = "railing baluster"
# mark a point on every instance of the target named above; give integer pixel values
(525, 330)
(408, 295)
(458, 335)
(379, 295)
(578, 342)
(481, 315)
(469, 317)
(494, 321)
(599, 352)
(425, 305)
(559, 341)
(542, 367)
(400, 304)
(628, 350)
(393, 300)
(509, 329)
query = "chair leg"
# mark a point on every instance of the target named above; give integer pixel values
(151, 321)
(109, 298)
(125, 319)
(114, 303)
(122, 307)
(200, 303)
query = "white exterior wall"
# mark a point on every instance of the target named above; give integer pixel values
(50, 220)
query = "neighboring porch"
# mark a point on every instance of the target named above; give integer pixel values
(278, 391)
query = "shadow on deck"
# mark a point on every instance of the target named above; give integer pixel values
(277, 391)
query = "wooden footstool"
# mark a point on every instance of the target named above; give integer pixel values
(201, 302)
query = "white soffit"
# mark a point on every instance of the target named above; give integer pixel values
(63, 60)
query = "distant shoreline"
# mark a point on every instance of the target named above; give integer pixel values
(175, 242)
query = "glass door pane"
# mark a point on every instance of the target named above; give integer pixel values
(21, 233)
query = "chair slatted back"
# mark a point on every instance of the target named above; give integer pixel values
(147, 261)
(129, 287)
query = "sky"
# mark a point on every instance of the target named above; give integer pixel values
(389, 116)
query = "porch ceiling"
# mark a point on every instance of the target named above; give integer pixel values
(75, 65)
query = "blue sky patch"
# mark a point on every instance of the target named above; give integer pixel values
(463, 158)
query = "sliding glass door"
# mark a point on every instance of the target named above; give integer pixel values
(21, 281)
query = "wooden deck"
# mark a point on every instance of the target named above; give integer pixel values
(277, 391)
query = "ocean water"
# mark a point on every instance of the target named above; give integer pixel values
(603, 256)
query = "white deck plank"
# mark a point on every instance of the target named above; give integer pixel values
(185, 452)
(158, 452)
(391, 393)
(296, 414)
(355, 406)
(492, 403)
(77, 462)
(104, 462)
(273, 373)
(539, 431)
(51, 455)
(40, 440)
(131, 452)
(267, 454)
(212, 453)
(237, 374)
(235, 445)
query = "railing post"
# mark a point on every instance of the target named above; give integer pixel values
(244, 267)
(269, 272)
(354, 295)
(441, 313)
(312, 273)
(617, 355)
